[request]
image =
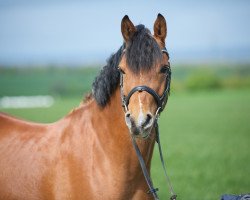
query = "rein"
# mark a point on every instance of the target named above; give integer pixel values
(161, 102)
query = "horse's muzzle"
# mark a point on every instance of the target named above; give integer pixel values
(140, 127)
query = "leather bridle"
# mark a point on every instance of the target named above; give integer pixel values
(161, 102)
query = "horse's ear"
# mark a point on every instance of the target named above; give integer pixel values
(160, 28)
(128, 29)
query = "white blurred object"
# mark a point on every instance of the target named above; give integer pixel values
(26, 102)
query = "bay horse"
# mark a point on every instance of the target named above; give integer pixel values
(88, 154)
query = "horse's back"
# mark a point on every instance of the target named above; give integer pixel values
(22, 153)
(9, 124)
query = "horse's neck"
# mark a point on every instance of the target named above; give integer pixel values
(101, 140)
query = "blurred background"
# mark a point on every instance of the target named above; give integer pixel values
(51, 50)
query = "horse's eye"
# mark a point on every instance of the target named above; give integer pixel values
(121, 70)
(164, 69)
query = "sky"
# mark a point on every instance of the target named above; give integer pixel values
(53, 32)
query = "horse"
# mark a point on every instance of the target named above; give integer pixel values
(88, 154)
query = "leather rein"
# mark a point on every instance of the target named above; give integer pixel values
(161, 102)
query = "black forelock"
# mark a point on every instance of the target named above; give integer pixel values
(142, 52)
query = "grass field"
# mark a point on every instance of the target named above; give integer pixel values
(205, 136)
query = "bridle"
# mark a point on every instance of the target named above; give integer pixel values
(161, 102)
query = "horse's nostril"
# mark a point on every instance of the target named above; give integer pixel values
(148, 121)
(149, 116)
(128, 119)
(127, 115)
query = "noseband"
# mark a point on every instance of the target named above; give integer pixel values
(160, 100)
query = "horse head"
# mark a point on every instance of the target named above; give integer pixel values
(144, 74)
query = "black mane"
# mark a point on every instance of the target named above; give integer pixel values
(106, 83)
(142, 52)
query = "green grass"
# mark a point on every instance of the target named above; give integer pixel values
(205, 138)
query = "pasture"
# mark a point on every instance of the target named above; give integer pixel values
(205, 131)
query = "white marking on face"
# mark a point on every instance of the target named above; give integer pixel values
(140, 116)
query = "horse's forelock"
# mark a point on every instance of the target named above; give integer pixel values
(142, 52)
